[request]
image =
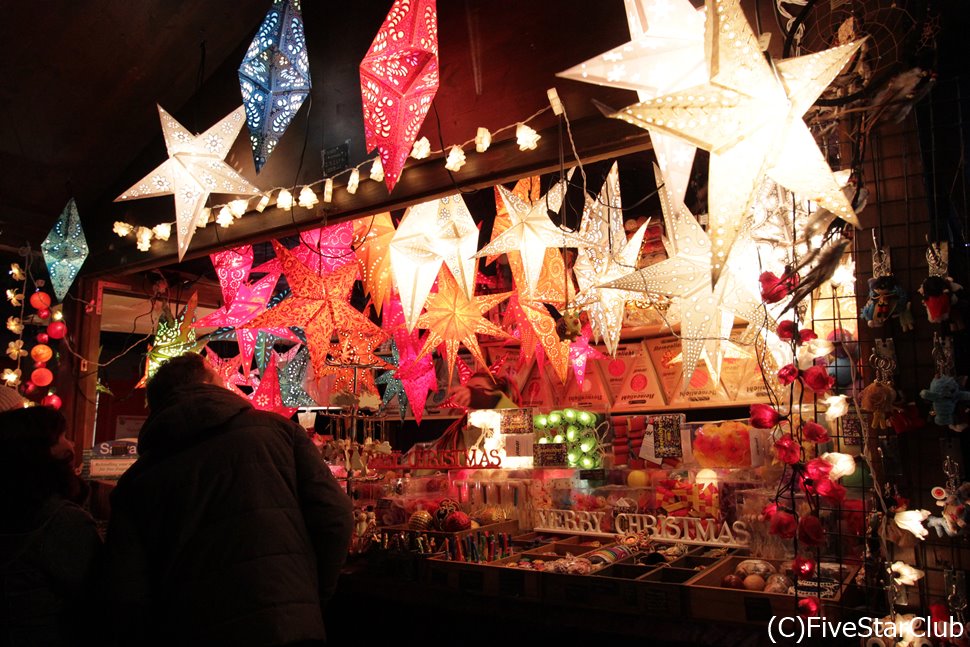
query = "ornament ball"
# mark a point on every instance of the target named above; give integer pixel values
(57, 329)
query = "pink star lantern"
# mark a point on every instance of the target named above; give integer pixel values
(322, 250)
(398, 81)
(267, 396)
(417, 374)
(227, 369)
(580, 352)
(249, 302)
(232, 267)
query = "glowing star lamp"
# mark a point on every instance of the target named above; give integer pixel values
(452, 319)
(274, 77)
(293, 365)
(432, 234)
(266, 396)
(372, 239)
(750, 119)
(608, 255)
(232, 268)
(398, 81)
(580, 352)
(320, 305)
(194, 169)
(322, 250)
(531, 232)
(174, 336)
(665, 55)
(65, 249)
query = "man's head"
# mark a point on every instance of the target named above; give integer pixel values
(176, 373)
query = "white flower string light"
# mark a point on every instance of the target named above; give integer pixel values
(226, 214)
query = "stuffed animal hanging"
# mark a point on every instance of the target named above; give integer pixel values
(887, 299)
(879, 399)
(956, 511)
(945, 393)
(939, 294)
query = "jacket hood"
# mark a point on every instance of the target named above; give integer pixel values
(191, 412)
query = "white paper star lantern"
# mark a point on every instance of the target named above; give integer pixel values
(194, 169)
(532, 232)
(665, 55)
(431, 234)
(606, 256)
(750, 119)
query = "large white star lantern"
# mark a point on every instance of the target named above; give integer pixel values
(607, 255)
(749, 116)
(532, 232)
(431, 234)
(665, 54)
(195, 168)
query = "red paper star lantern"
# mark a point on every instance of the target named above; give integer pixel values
(416, 373)
(232, 267)
(398, 81)
(452, 319)
(319, 305)
(322, 250)
(267, 396)
(581, 352)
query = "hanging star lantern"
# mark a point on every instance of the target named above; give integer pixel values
(531, 233)
(398, 81)
(174, 336)
(580, 352)
(248, 303)
(393, 386)
(194, 169)
(65, 249)
(232, 268)
(432, 234)
(452, 319)
(274, 77)
(266, 396)
(416, 373)
(665, 55)
(372, 239)
(227, 369)
(536, 330)
(319, 305)
(706, 313)
(322, 250)
(608, 256)
(292, 370)
(750, 119)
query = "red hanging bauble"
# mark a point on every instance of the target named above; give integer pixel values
(52, 400)
(41, 353)
(57, 329)
(40, 300)
(42, 376)
(43, 338)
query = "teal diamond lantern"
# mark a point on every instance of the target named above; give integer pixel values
(65, 249)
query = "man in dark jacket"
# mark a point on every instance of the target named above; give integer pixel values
(229, 529)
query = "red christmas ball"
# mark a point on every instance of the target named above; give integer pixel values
(40, 364)
(57, 329)
(43, 338)
(44, 313)
(41, 353)
(27, 387)
(41, 377)
(52, 400)
(40, 300)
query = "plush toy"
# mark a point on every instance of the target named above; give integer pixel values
(956, 511)
(945, 393)
(878, 398)
(940, 293)
(887, 299)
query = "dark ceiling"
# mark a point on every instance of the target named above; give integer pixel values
(77, 104)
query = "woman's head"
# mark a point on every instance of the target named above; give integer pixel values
(36, 458)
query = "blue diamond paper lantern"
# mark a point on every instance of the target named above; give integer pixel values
(65, 249)
(274, 77)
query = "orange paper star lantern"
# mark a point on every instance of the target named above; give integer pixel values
(319, 305)
(453, 319)
(372, 239)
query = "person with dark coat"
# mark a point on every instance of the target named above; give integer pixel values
(48, 543)
(229, 529)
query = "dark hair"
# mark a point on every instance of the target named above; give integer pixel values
(29, 475)
(177, 372)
